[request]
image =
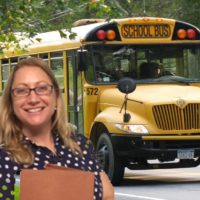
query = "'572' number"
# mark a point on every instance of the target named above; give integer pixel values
(92, 91)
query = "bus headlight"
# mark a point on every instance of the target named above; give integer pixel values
(130, 128)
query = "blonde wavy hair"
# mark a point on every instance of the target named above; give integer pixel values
(11, 137)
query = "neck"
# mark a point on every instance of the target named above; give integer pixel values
(41, 137)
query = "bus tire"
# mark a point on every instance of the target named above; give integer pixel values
(108, 160)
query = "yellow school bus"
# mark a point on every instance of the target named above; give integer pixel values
(130, 85)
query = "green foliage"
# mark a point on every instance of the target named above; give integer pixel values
(177, 9)
(28, 17)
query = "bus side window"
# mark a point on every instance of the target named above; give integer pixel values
(56, 63)
(4, 72)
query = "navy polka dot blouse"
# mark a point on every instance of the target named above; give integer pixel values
(63, 157)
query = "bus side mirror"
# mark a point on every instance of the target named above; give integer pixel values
(82, 56)
(126, 85)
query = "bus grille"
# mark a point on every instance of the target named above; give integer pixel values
(171, 117)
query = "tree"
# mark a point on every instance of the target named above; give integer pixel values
(29, 17)
(25, 18)
(177, 9)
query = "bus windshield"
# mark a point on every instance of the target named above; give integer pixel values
(144, 63)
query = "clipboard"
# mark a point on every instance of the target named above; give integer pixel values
(56, 183)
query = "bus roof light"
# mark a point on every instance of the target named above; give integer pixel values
(181, 33)
(111, 35)
(101, 34)
(191, 34)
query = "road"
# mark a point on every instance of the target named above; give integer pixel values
(160, 184)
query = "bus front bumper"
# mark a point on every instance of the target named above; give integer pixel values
(135, 147)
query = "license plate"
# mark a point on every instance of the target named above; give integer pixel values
(185, 153)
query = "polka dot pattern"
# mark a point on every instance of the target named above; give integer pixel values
(63, 157)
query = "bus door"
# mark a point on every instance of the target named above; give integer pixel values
(74, 90)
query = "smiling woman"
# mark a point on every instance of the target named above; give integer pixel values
(33, 130)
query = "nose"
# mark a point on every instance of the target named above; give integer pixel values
(33, 97)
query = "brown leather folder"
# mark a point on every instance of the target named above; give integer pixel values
(56, 183)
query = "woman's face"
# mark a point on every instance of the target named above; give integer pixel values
(33, 110)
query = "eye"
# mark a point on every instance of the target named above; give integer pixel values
(20, 91)
(43, 89)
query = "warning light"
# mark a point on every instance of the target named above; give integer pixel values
(181, 33)
(191, 34)
(101, 34)
(111, 35)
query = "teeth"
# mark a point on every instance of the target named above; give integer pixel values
(33, 110)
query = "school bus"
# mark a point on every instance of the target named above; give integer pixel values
(132, 86)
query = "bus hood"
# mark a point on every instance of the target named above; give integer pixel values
(161, 108)
(153, 94)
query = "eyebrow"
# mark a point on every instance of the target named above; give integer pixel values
(27, 84)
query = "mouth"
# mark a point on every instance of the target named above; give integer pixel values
(34, 110)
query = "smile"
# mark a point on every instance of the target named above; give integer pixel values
(34, 110)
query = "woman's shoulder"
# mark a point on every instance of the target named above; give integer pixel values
(80, 138)
(88, 152)
(83, 142)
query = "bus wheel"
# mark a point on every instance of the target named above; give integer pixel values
(108, 160)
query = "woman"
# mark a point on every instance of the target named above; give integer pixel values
(33, 130)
